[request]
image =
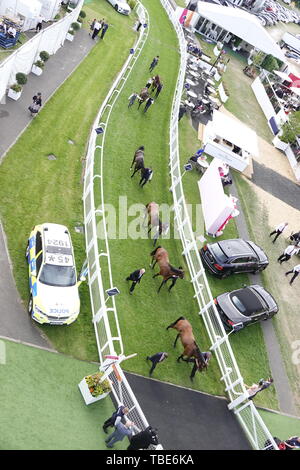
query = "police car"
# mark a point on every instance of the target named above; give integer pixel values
(54, 297)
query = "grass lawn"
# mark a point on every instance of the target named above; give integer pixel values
(35, 190)
(280, 425)
(42, 407)
(248, 345)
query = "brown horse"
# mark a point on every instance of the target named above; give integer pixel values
(191, 349)
(160, 256)
(156, 81)
(154, 222)
(143, 96)
(138, 160)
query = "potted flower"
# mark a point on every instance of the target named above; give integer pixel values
(80, 18)
(38, 66)
(70, 35)
(93, 388)
(15, 90)
(289, 132)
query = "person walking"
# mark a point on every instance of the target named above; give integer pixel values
(104, 29)
(154, 63)
(158, 89)
(36, 104)
(132, 99)
(147, 174)
(39, 24)
(97, 27)
(149, 102)
(92, 26)
(115, 418)
(288, 253)
(149, 82)
(256, 388)
(135, 277)
(295, 271)
(156, 359)
(278, 230)
(120, 432)
(182, 111)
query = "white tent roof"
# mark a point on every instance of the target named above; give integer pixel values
(232, 130)
(241, 24)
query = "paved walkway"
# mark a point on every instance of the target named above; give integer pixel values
(14, 118)
(190, 420)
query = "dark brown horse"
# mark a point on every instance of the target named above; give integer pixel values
(156, 81)
(138, 160)
(191, 349)
(143, 96)
(160, 256)
(154, 222)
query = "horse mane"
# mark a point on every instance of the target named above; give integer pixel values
(154, 251)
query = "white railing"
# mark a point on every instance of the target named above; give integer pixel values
(49, 39)
(105, 318)
(252, 423)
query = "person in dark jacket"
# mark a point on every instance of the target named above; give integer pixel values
(154, 63)
(146, 176)
(155, 359)
(135, 277)
(182, 111)
(158, 89)
(115, 418)
(149, 102)
(104, 29)
(144, 439)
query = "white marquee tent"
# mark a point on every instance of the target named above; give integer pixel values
(241, 24)
(27, 10)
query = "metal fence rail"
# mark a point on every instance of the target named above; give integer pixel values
(252, 423)
(105, 318)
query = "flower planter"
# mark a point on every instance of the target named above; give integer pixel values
(87, 396)
(15, 95)
(79, 24)
(69, 37)
(36, 70)
(279, 144)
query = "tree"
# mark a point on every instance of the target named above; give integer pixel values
(270, 63)
(291, 128)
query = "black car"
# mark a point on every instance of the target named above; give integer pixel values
(243, 307)
(233, 256)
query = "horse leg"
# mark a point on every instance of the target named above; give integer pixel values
(179, 357)
(174, 323)
(136, 169)
(155, 275)
(193, 372)
(173, 284)
(174, 346)
(163, 282)
(152, 266)
(132, 162)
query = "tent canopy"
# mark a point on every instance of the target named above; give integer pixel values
(233, 131)
(241, 24)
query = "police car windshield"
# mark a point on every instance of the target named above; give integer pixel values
(60, 276)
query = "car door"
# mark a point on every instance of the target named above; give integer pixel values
(240, 264)
(36, 261)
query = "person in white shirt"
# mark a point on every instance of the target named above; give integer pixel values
(278, 230)
(39, 24)
(288, 253)
(11, 32)
(296, 271)
(97, 27)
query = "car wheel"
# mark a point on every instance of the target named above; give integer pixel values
(30, 306)
(116, 7)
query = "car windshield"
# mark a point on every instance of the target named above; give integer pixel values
(218, 253)
(60, 276)
(247, 302)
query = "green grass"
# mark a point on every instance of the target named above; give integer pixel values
(35, 190)
(280, 425)
(42, 407)
(248, 345)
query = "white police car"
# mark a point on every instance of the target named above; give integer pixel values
(121, 6)
(54, 297)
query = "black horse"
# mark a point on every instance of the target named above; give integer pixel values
(138, 160)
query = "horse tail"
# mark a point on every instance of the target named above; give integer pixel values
(177, 271)
(154, 251)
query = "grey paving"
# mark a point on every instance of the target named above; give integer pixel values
(276, 184)
(14, 115)
(186, 419)
(14, 118)
(281, 381)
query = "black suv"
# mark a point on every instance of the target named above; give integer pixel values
(233, 256)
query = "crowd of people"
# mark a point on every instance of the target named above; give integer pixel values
(96, 26)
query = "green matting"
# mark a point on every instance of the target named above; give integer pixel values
(41, 405)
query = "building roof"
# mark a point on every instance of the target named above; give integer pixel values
(232, 130)
(242, 24)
